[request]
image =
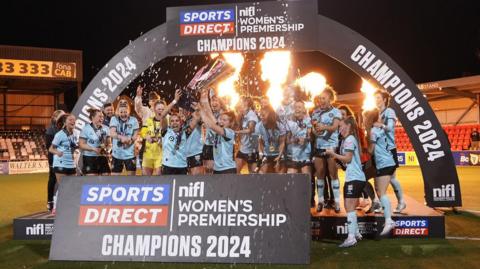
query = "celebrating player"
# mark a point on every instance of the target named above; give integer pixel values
(143, 111)
(354, 176)
(223, 147)
(271, 141)
(108, 112)
(123, 130)
(247, 154)
(384, 163)
(174, 161)
(63, 146)
(210, 136)
(387, 123)
(299, 130)
(367, 167)
(152, 133)
(95, 144)
(325, 121)
(194, 143)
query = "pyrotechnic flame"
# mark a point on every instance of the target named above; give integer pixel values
(228, 87)
(275, 67)
(369, 93)
(312, 84)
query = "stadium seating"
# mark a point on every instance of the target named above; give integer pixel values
(458, 136)
(22, 145)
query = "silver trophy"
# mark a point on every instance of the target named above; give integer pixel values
(215, 70)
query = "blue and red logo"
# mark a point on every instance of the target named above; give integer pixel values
(124, 205)
(207, 22)
(411, 227)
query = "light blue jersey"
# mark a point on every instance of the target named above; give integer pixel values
(383, 156)
(389, 119)
(125, 128)
(194, 144)
(173, 145)
(326, 139)
(223, 151)
(271, 138)
(354, 167)
(299, 129)
(94, 137)
(66, 144)
(285, 113)
(247, 145)
(209, 133)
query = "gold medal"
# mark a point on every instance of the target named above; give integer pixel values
(272, 148)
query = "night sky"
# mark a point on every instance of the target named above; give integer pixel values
(430, 40)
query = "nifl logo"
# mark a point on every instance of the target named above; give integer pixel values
(35, 229)
(445, 193)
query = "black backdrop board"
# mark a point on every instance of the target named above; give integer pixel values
(219, 218)
(442, 188)
(243, 27)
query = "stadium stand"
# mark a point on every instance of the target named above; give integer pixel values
(22, 145)
(459, 137)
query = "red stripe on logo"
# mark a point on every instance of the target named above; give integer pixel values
(214, 28)
(123, 215)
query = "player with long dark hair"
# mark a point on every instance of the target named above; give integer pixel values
(354, 177)
(365, 158)
(224, 140)
(207, 152)
(299, 149)
(95, 143)
(247, 153)
(387, 123)
(63, 146)
(194, 143)
(384, 162)
(271, 141)
(325, 121)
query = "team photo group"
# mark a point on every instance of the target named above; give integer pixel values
(209, 138)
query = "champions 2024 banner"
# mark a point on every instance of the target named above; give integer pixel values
(218, 219)
(284, 25)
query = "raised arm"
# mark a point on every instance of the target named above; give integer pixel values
(207, 115)
(178, 94)
(139, 107)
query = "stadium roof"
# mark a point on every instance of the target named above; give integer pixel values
(464, 87)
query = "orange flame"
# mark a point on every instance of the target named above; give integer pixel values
(312, 84)
(369, 95)
(275, 67)
(227, 88)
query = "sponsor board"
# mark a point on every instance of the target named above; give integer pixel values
(38, 226)
(28, 167)
(184, 219)
(257, 26)
(466, 158)
(401, 158)
(411, 227)
(371, 226)
(411, 158)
